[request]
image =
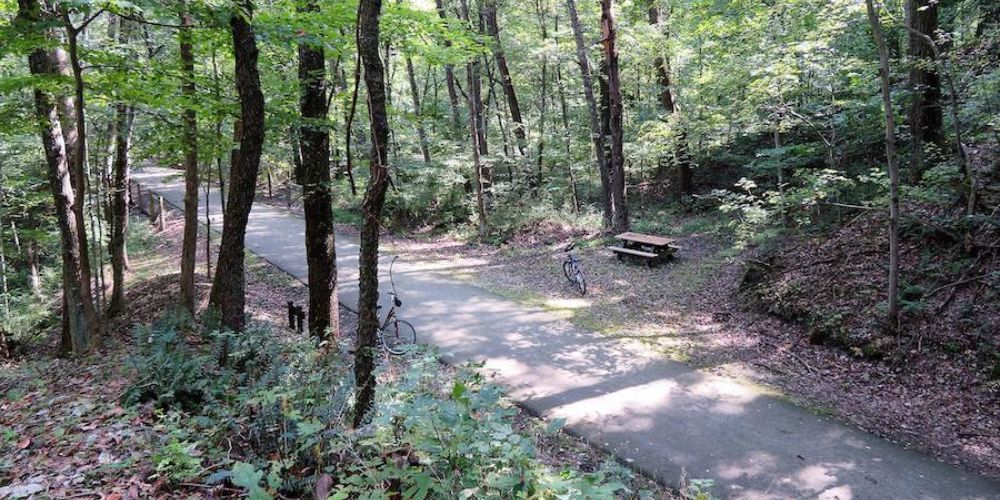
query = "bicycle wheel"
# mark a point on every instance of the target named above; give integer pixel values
(580, 282)
(399, 337)
(568, 270)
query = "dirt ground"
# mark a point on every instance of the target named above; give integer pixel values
(689, 310)
(66, 435)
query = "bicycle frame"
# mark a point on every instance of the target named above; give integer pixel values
(390, 316)
(573, 261)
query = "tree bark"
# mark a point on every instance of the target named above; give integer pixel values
(119, 207)
(596, 134)
(616, 157)
(80, 326)
(369, 12)
(493, 29)
(228, 288)
(926, 113)
(76, 143)
(890, 155)
(189, 247)
(314, 138)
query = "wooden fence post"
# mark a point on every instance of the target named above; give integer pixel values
(152, 215)
(163, 214)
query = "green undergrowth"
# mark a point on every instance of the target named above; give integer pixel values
(275, 421)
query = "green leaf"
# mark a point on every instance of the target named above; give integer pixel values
(460, 393)
(247, 476)
(555, 424)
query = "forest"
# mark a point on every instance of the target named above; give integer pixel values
(320, 249)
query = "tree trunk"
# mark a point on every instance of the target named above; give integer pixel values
(616, 157)
(417, 111)
(564, 113)
(34, 278)
(449, 75)
(218, 138)
(596, 134)
(80, 326)
(228, 288)
(680, 158)
(472, 71)
(543, 94)
(316, 200)
(76, 145)
(189, 248)
(369, 12)
(890, 154)
(925, 84)
(119, 208)
(493, 29)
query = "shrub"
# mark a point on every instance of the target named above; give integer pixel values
(430, 436)
(168, 371)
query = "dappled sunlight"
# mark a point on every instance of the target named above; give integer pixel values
(568, 303)
(612, 388)
(817, 477)
(752, 464)
(842, 492)
(632, 406)
(729, 397)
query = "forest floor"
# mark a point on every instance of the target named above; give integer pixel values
(690, 310)
(65, 434)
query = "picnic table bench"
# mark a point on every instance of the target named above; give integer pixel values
(655, 249)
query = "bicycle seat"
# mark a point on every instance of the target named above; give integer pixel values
(399, 303)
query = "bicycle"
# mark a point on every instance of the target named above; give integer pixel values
(397, 336)
(571, 268)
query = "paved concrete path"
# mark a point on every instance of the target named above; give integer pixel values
(660, 415)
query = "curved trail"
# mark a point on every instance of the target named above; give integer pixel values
(659, 415)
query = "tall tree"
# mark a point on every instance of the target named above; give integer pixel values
(119, 184)
(925, 83)
(493, 29)
(891, 161)
(616, 156)
(542, 17)
(81, 328)
(596, 134)
(417, 110)
(449, 74)
(228, 287)
(683, 174)
(477, 135)
(189, 246)
(369, 13)
(75, 118)
(317, 202)
(119, 206)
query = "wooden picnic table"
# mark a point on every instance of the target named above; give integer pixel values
(655, 249)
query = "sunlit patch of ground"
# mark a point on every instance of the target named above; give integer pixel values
(687, 310)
